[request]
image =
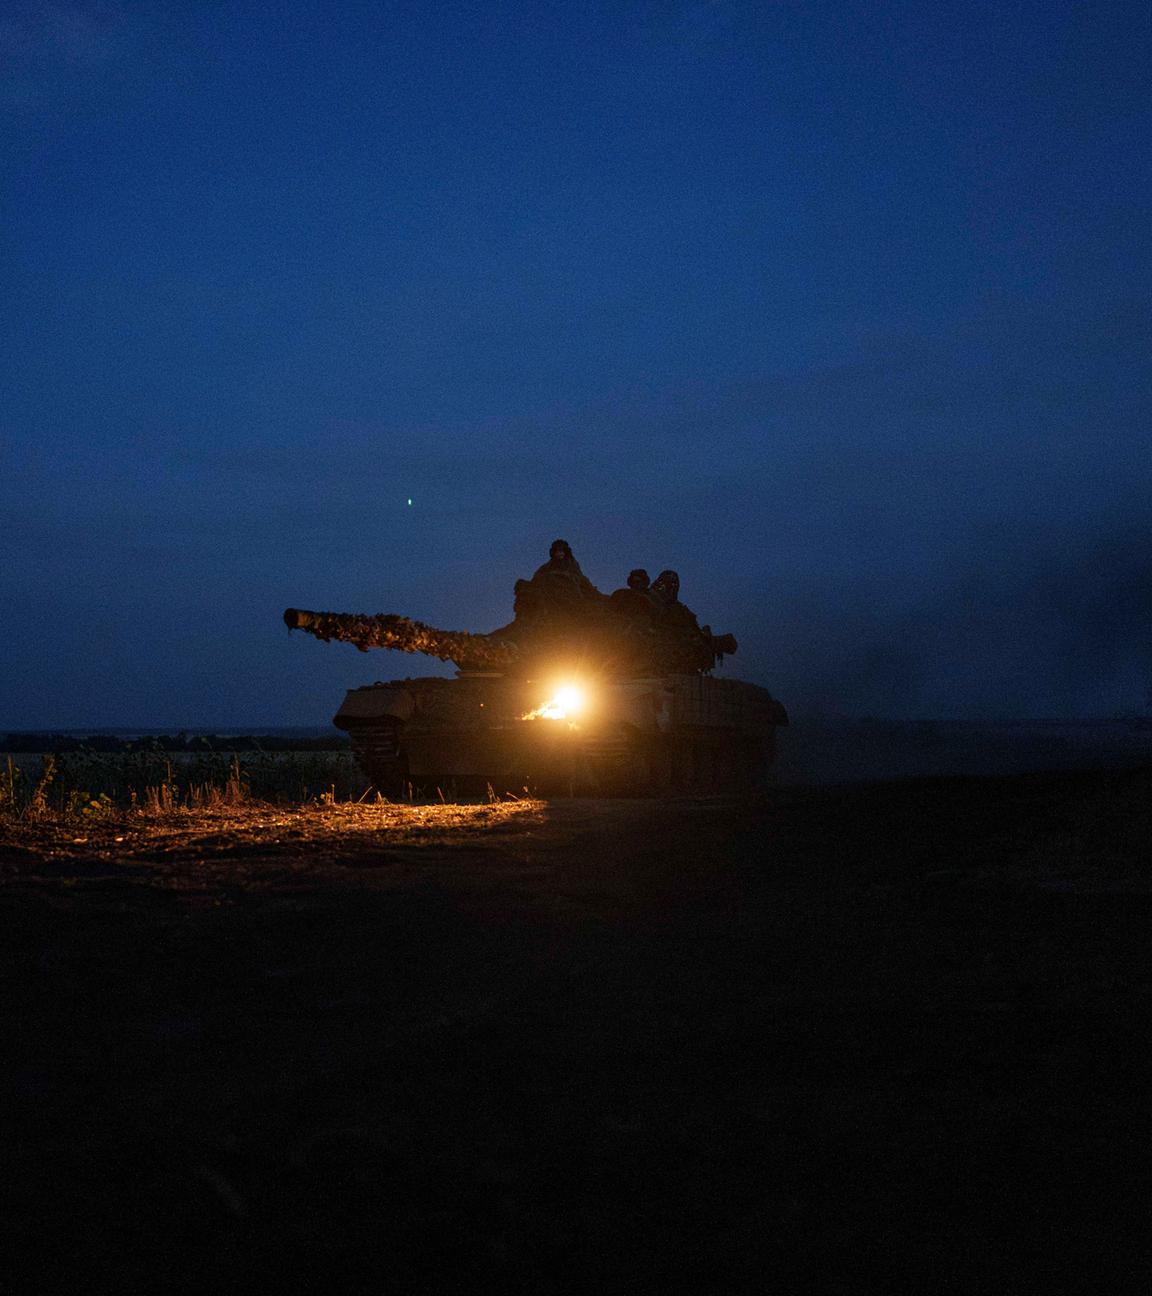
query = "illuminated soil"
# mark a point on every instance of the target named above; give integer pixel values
(888, 1038)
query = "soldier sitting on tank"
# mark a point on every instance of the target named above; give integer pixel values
(636, 601)
(669, 610)
(557, 586)
(666, 592)
(673, 614)
(562, 563)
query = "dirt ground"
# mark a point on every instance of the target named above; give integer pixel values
(870, 1038)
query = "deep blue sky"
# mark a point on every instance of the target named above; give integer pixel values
(840, 309)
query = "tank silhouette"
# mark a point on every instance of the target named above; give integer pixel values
(580, 692)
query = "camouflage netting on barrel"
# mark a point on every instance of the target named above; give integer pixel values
(405, 635)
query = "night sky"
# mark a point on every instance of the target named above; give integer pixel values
(839, 309)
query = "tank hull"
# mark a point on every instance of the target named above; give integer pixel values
(642, 737)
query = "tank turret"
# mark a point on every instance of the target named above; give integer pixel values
(560, 620)
(600, 639)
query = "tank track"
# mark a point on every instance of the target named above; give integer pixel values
(376, 748)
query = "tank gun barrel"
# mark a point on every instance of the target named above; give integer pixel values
(405, 635)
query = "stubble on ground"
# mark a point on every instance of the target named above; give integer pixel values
(854, 1037)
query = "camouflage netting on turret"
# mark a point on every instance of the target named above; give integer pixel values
(605, 641)
(561, 619)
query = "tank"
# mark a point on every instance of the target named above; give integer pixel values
(582, 693)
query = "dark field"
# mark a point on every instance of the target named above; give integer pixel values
(873, 1038)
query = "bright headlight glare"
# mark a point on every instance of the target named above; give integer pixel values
(566, 702)
(568, 699)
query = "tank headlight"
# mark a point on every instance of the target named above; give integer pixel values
(566, 702)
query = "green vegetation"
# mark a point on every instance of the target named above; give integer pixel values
(87, 783)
